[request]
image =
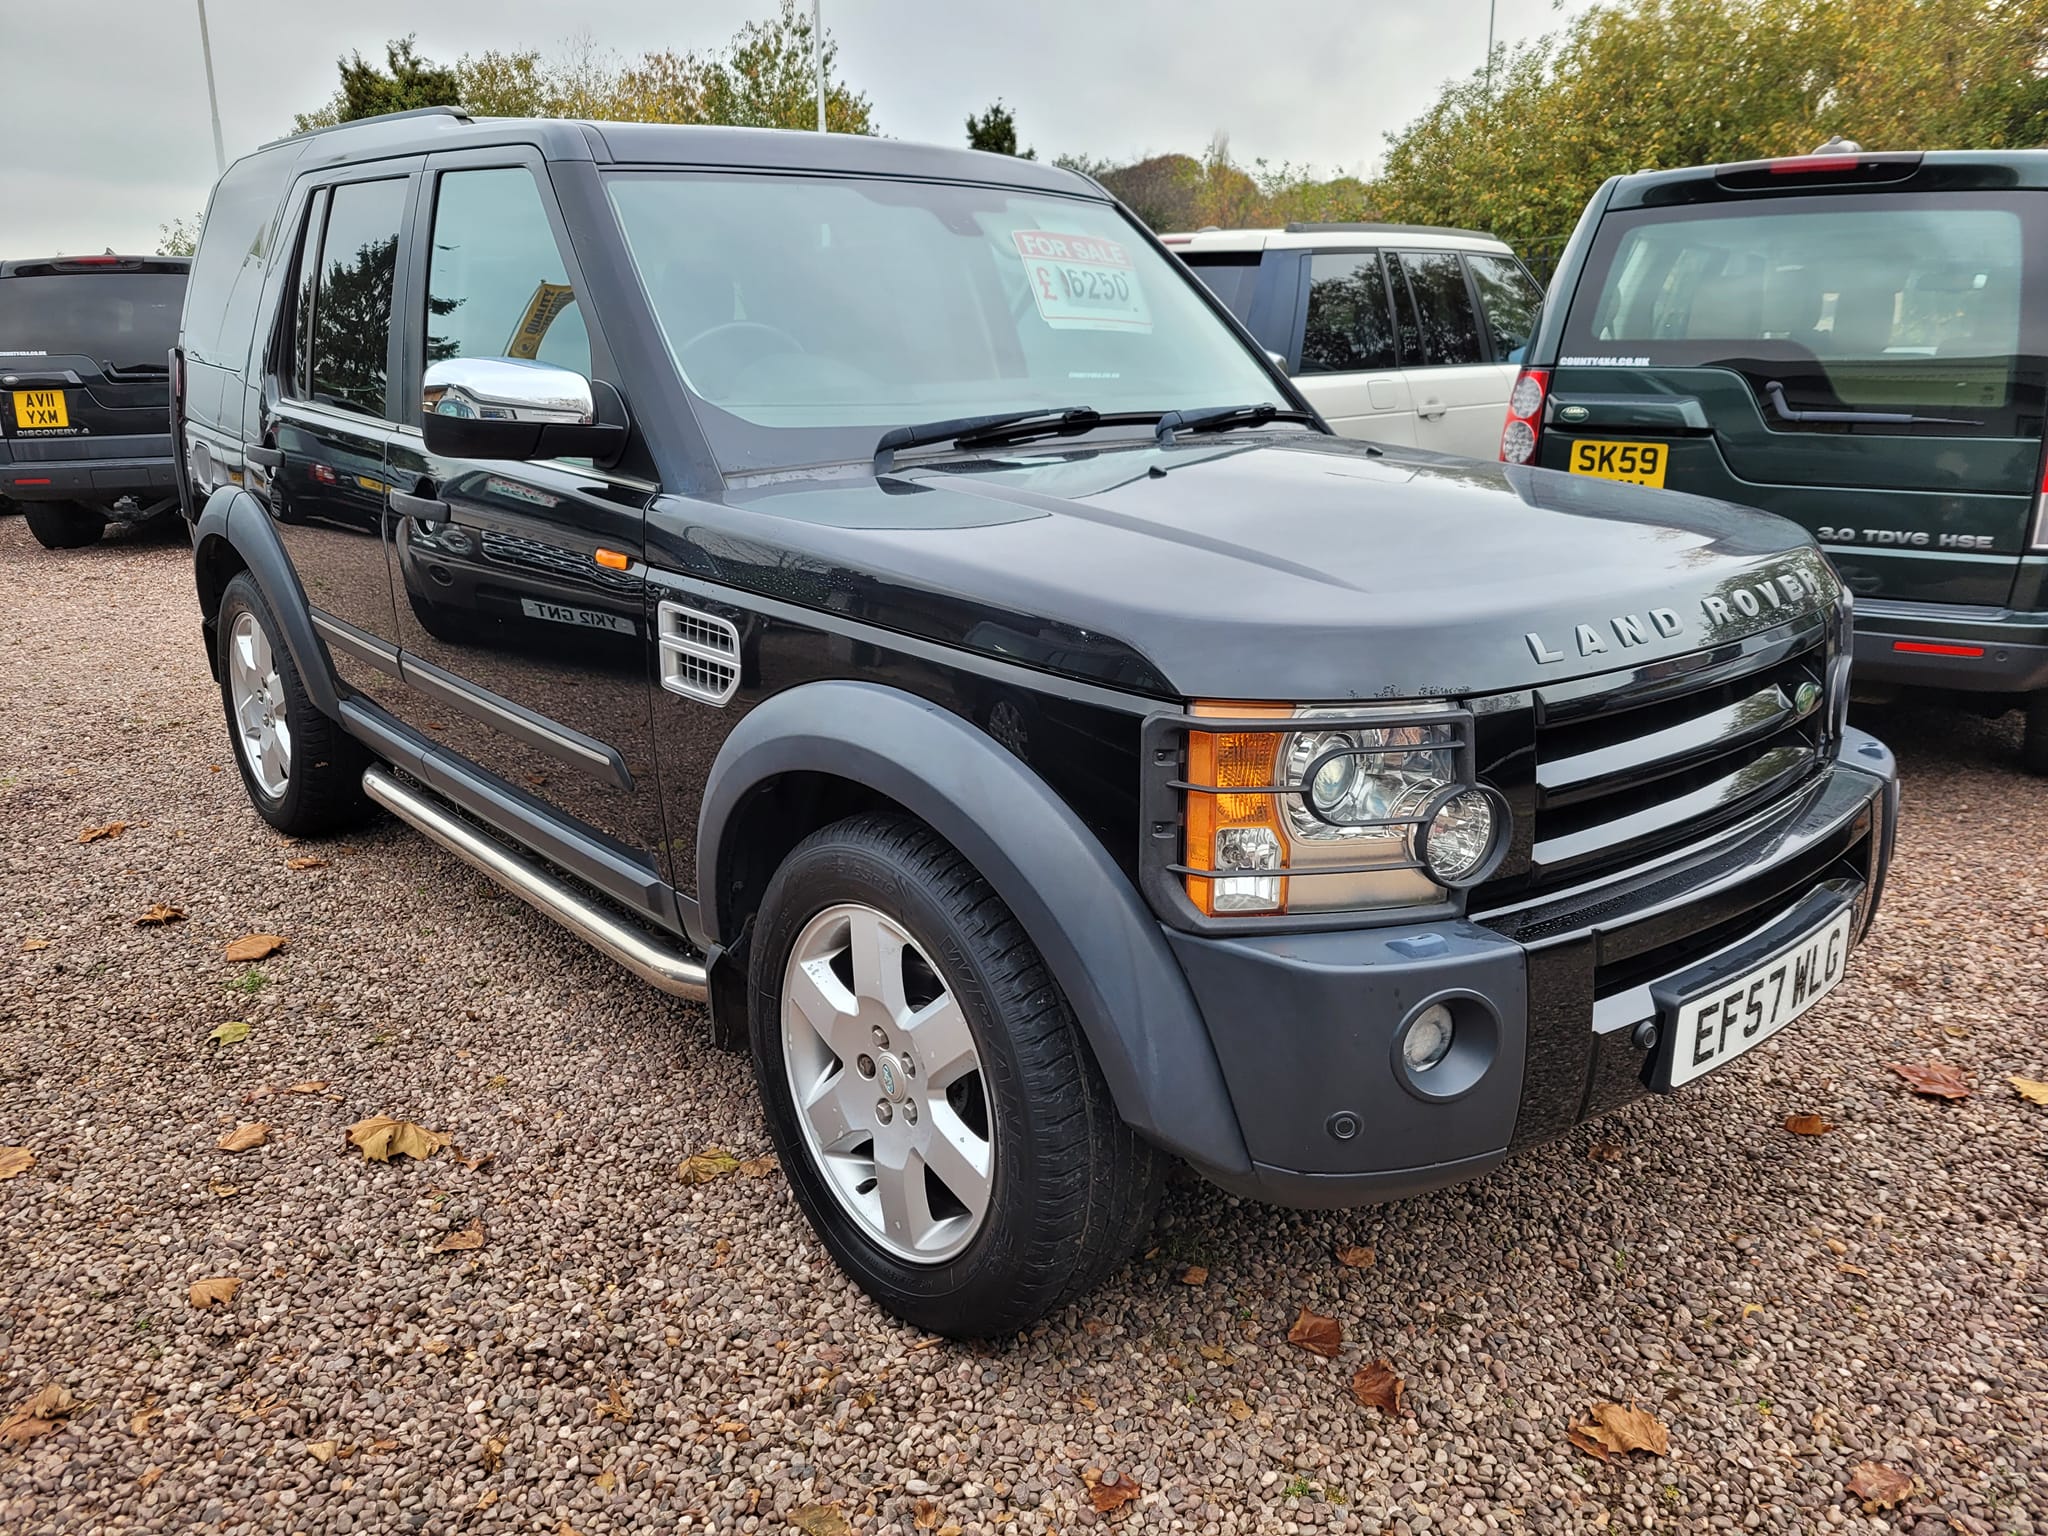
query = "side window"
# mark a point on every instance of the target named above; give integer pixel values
(1348, 326)
(1508, 299)
(496, 282)
(350, 329)
(291, 365)
(1449, 330)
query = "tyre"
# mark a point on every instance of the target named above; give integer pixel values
(2034, 742)
(303, 772)
(938, 1114)
(63, 524)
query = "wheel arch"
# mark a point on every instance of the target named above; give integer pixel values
(233, 534)
(840, 747)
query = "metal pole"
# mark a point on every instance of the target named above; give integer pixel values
(818, 61)
(1491, 5)
(220, 155)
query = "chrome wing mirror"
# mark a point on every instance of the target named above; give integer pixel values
(512, 408)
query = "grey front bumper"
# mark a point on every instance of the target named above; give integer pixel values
(1305, 1026)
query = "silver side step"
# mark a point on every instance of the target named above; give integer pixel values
(673, 970)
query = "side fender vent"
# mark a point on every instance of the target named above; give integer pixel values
(700, 654)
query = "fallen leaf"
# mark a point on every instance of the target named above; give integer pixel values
(1317, 1334)
(1604, 1152)
(758, 1167)
(1194, 1274)
(14, 1160)
(111, 829)
(1807, 1125)
(383, 1138)
(2033, 1091)
(1852, 1269)
(436, 1347)
(158, 915)
(1748, 1307)
(493, 1455)
(1240, 1410)
(1936, 1080)
(318, 1085)
(139, 1424)
(42, 1413)
(481, 1160)
(217, 1292)
(30, 946)
(222, 1191)
(614, 1407)
(703, 1167)
(925, 1514)
(306, 861)
(323, 1451)
(1879, 1486)
(148, 1479)
(1618, 1430)
(820, 1520)
(1352, 1256)
(243, 1137)
(254, 946)
(230, 1032)
(471, 1236)
(1376, 1386)
(1109, 1492)
(1216, 1354)
(607, 1480)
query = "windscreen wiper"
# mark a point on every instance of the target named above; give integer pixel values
(1010, 427)
(1788, 412)
(1223, 418)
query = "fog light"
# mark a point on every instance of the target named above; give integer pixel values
(1428, 1039)
(1247, 848)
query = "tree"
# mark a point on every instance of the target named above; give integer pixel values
(179, 237)
(407, 82)
(1640, 84)
(996, 132)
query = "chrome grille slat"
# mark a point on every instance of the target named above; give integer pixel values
(1763, 713)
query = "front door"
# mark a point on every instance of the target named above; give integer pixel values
(328, 416)
(521, 604)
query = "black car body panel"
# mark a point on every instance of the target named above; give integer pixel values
(661, 673)
(85, 380)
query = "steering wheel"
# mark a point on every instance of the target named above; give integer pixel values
(732, 327)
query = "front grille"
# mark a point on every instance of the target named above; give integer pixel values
(1627, 763)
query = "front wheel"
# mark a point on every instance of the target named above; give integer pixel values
(940, 1118)
(63, 524)
(2034, 741)
(303, 772)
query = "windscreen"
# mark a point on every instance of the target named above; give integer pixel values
(121, 318)
(814, 314)
(1890, 303)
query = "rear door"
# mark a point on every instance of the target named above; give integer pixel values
(1347, 364)
(1460, 391)
(1868, 363)
(85, 365)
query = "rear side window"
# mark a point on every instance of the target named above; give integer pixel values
(1233, 276)
(349, 334)
(125, 320)
(1886, 302)
(1349, 328)
(1447, 329)
(1508, 299)
(234, 245)
(496, 282)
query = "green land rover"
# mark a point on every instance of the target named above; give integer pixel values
(1856, 341)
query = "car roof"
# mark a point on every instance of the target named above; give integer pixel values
(65, 266)
(1828, 171)
(1335, 237)
(432, 130)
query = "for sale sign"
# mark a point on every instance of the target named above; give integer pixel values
(1082, 282)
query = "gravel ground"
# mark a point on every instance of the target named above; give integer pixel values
(628, 1352)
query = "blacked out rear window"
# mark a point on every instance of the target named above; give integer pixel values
(121, 318)
(1890, 303)
(1233, 276)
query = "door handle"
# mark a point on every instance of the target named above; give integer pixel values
(263, 458)
(1429, 410)
(424, 508)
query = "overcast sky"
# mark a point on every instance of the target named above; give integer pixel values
(120, 143)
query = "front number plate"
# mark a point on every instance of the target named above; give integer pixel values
(1637, 463)
(40, 410)
(1712, 1028)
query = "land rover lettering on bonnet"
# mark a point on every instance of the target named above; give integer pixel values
(897, 606)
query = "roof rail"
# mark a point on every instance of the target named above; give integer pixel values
(460, 114)
(1303, 227)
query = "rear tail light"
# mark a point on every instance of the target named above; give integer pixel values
(2038, 538)
(1525, 416)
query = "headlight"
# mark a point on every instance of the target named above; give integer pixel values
(1356, 809)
